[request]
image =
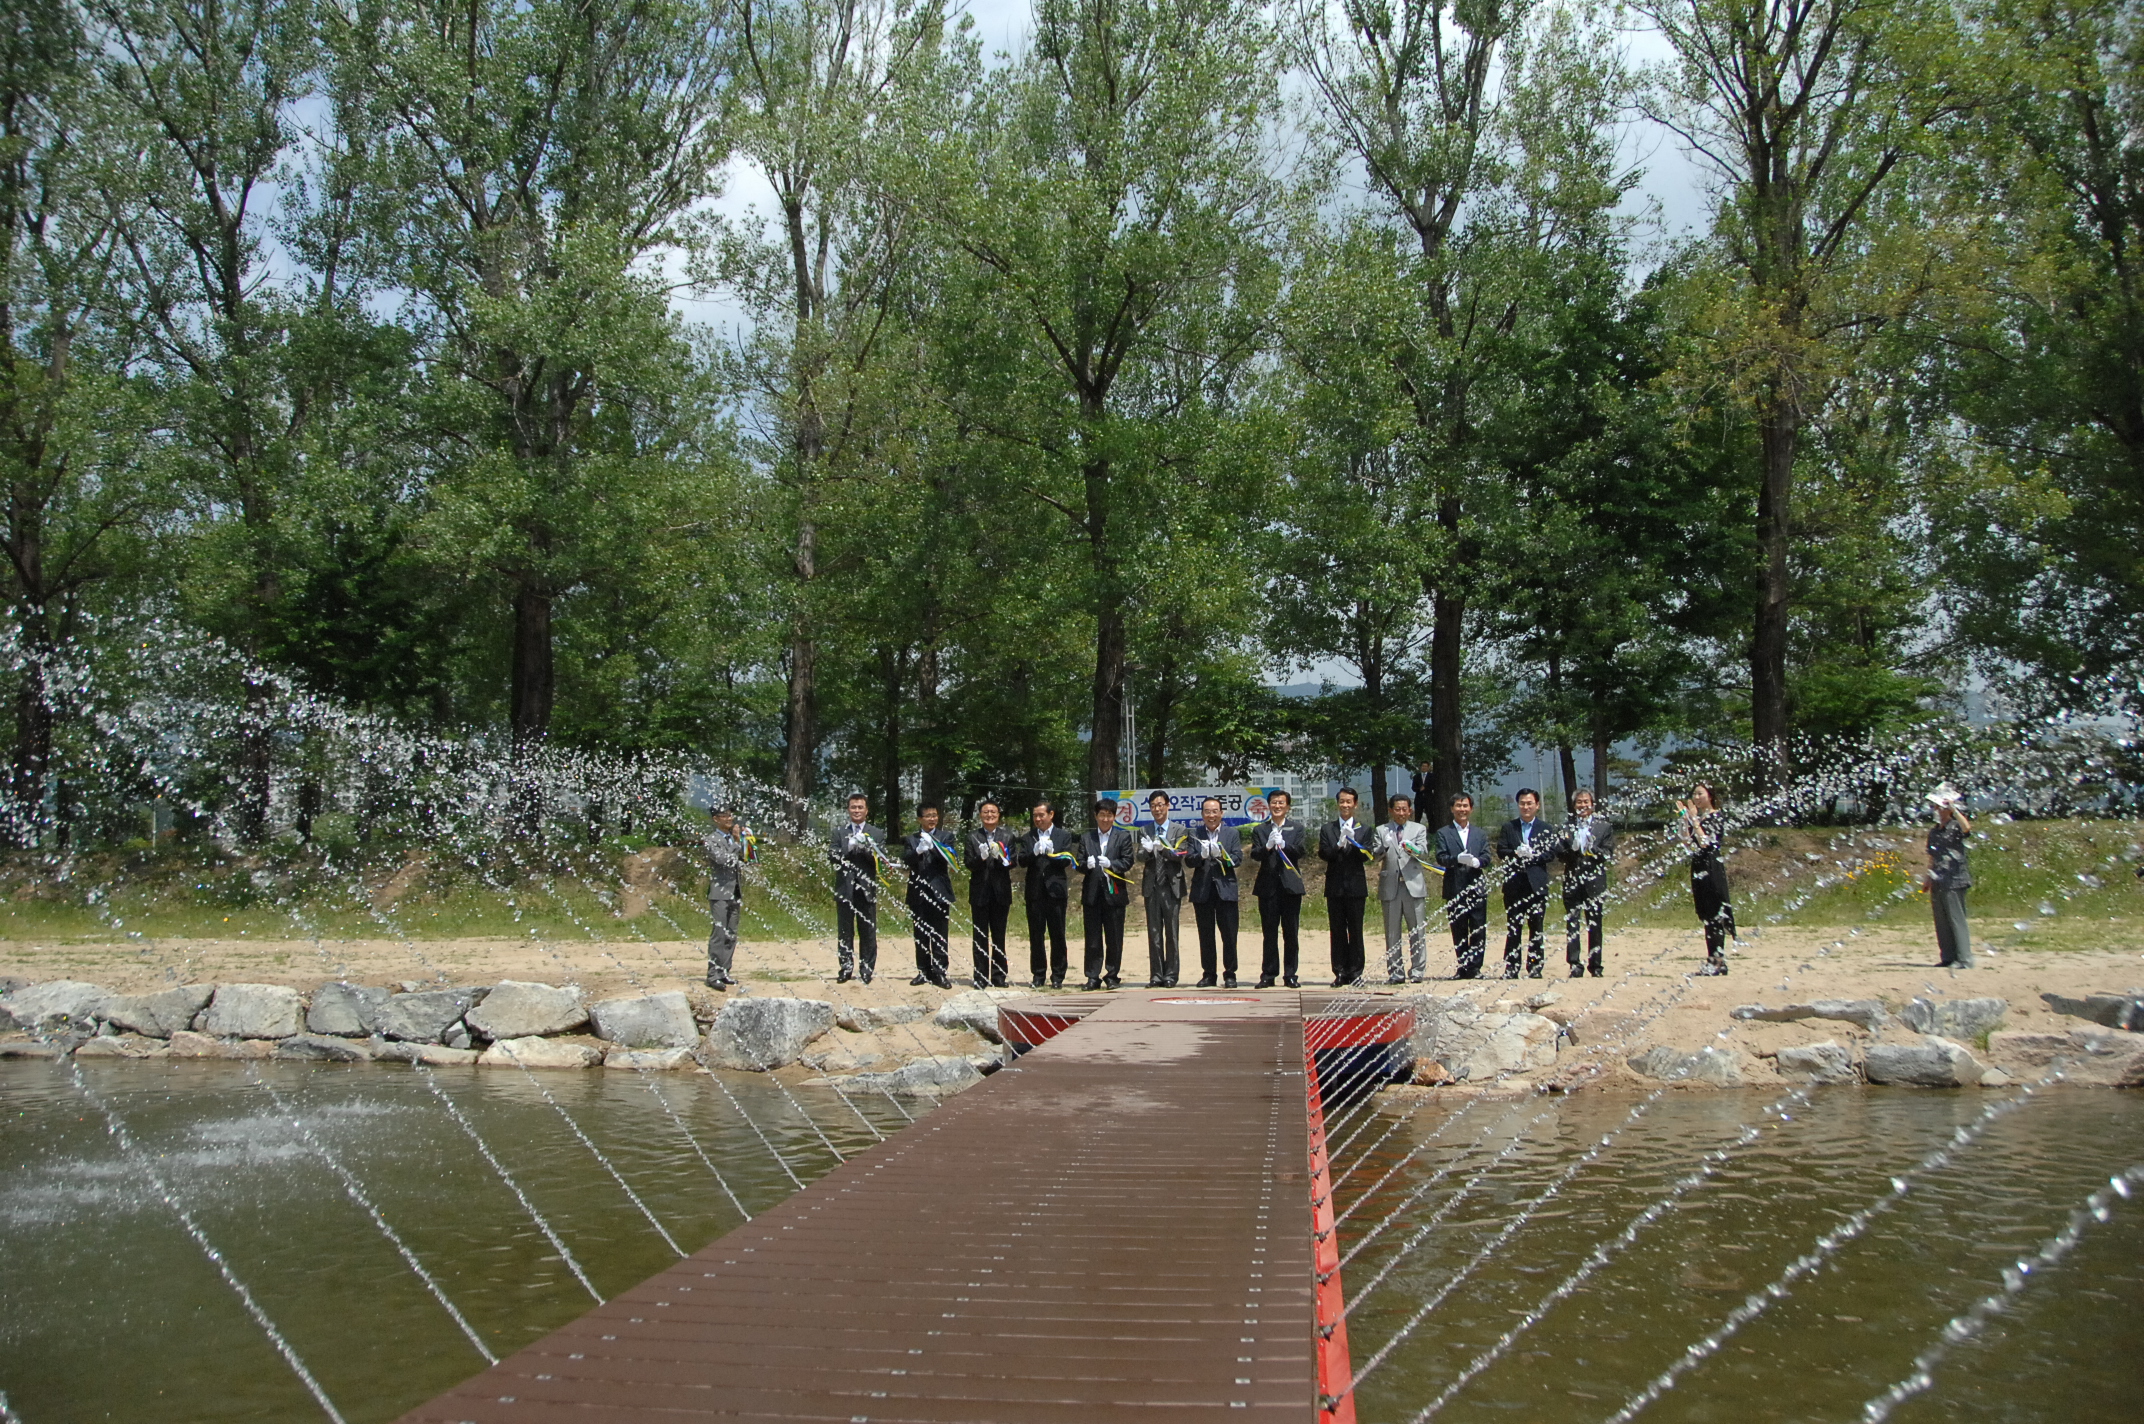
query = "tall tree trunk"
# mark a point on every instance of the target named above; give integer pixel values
(1600, 761)
(931, 790)
(800, 720)
(1569, 764)
(1111, 636)
(33, 730)
(1565, 763)
(1446, 732)
(533, 675)
(1372, 655)
(1160, 713)
(1779, 426)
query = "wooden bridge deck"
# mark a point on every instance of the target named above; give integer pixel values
(1119, 1226)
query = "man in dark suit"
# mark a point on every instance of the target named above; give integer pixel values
(1046, 851)
(930, 895)
(1105, 859)
(857, 850)
(1525, 847)
(1213, 853)
(1344, 847)
(1278, 849)
(1584, 849)
(1462, 852)
(989, 891)
(1161, 850)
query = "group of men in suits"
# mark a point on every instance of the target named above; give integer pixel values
(1205, 862)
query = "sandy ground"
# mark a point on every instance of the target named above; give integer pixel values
(1646, 997)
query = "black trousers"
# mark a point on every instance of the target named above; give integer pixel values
(1105, 942)
(1583, 906)
(1524, 906)
(1280, 915)
(931, 949)
(1045, 914)
(1344, 913)
(989, 944)
(1714, 909)
(1468, 914)
(1217, 917)
(856, 927)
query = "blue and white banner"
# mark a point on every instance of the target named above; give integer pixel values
(1240, 805)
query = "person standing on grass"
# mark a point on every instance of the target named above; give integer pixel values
(857, 852)
(930, 895)
(1587, 844)
(1949, 877)
(990, 858)
(728, 851)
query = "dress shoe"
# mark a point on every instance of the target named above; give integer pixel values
(864, 975)
(1292, 982)
(1057, 983)
(1339, 983)
(1595, 969)
(1036, 985)
(1396, 979)
(919, 979)
(942, 983)
(1533, 974)
(720, 986)
(1092, 984)
(1112, 983)
(1263, 984)
(843, 977)
(1577, 972)
(1712, 971)
(1156, 984)
(1229, 982)
(1206, 983)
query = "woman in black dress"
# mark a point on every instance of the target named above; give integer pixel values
(1702, 828)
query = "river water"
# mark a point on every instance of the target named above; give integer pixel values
(108, 1310)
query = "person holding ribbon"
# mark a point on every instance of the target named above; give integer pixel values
(857, 858)
(1403, 856)
(930, 895)
(1212, 850)
(1525, 846)
(989, 848)
(1161, 851)
(1347, 888)
(1701, 825)
(1462, 852)
(1586, 844)
(1046, 852)
(1105, 859)
(1949, 877)
(1278, 849)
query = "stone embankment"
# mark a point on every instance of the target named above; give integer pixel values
(1471, 1041)
(897, 1048)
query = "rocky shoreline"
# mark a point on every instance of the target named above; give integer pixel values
(515, 1024)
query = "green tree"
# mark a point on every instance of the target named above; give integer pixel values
(1113, 189)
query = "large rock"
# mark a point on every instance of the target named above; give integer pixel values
(1715, 1067)
(188, 1044)
(927, 1077)
(159, 1015)
(515, 1009)
(424, 1016)
(1934, 1062)
(346, 1010)
(649, 1060)
(253, 1011)
(2123, 1011)
(649, 1021)
(1454, 1041)
(542, 1053)
(974, 1011)
(323, 1048)
(127, 1045)
(1825, 1062)
(1955, 1018)
(867, 1018)
(758, 1035)
(57, 1006)
(1869, 1014)
(2084, 1055)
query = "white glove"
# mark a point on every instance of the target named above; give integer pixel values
(1273, 842)
(1526, 850)
(1148, 843)
(1094, 862)
(1470, 860)
(1209, 849)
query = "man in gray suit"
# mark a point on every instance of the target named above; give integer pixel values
(1585, 848)
(727, 851)
(1161, 850)
(1402, 848)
